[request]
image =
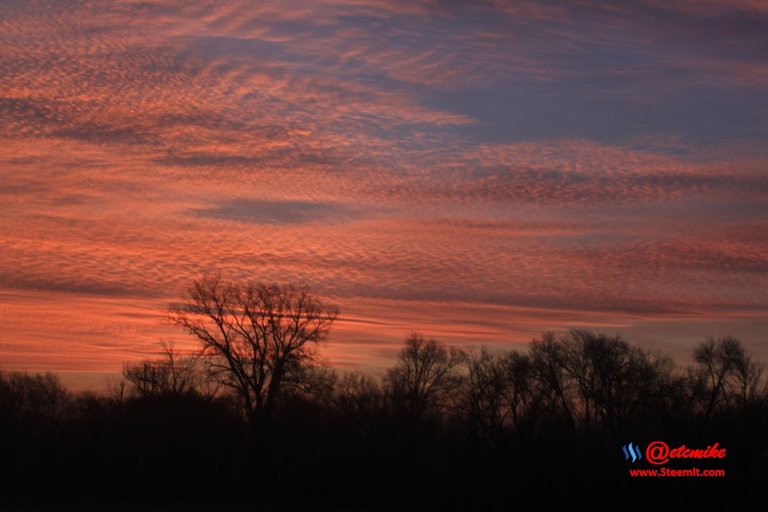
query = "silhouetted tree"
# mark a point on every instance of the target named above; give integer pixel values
(258, 337)
(117, 390)
(172, 375)
(522, 393)
(728, 378)
(31, 402)
(601, 381)
(499, 395)
(361, 399)
(425, 374)
(615, 380)
(549, 370)
(442, 426)
(487, 399)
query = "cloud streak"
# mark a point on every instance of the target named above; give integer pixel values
(264, 211)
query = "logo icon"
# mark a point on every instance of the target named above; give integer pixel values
(657, 452)
(632, 452)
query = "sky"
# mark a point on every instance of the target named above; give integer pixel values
(480, 172)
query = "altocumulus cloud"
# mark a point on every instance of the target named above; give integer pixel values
(479, 171)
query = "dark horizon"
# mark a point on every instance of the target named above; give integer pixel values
(254, 419)
(585, 413)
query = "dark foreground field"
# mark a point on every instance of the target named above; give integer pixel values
(455, 430)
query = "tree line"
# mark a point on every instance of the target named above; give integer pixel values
(252, 416)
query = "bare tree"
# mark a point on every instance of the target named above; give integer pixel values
(482, 398)
(750, 386)
(361, 399)
(522, 393)
(616, 382)
(599, 382)
(116, 389)
(499, 397)
(259, 338)
(548, 361)
(728, 377)
(31, 401)
(147, 378)
(172, 375)
(425, 374)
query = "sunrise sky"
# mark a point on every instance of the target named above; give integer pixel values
(477, 171)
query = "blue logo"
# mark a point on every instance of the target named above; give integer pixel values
(632, 452)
